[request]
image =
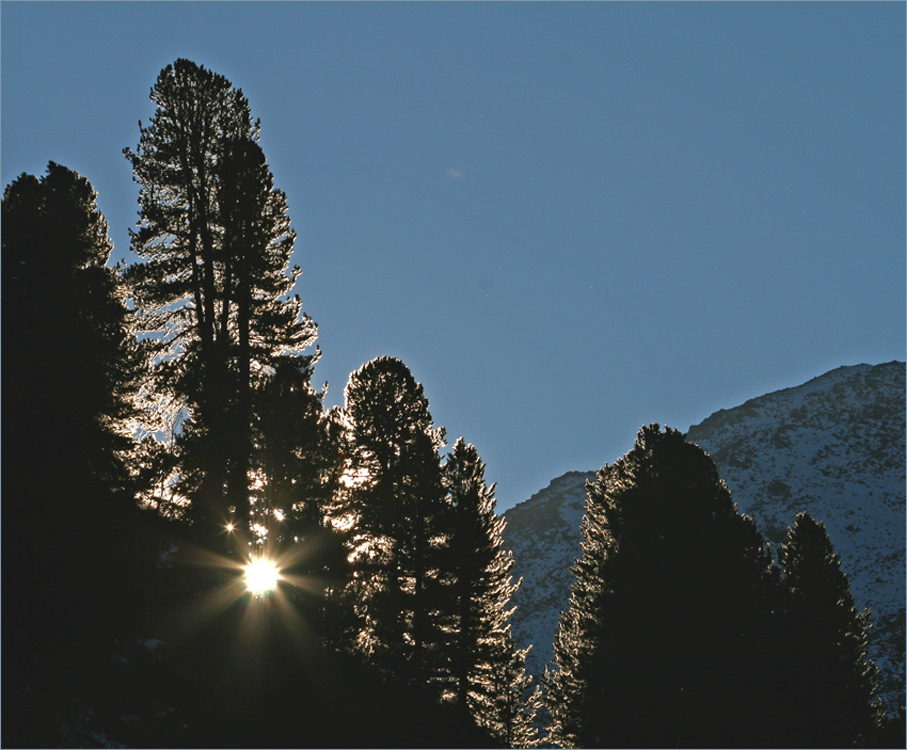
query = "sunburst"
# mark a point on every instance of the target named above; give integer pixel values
(262, 575)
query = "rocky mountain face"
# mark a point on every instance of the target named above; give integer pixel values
(834, 447)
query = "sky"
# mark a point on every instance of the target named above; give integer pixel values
(568, 219)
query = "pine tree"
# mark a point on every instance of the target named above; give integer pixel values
(513, 704)
(828, 679)
(396, 512)
(70, 365)
(487, 672)
(215, 240)
(69, 312)
(664, 643)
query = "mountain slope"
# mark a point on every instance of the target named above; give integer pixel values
(833, 446)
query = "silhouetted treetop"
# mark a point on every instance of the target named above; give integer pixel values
(70, 365)
(71, 317)
(828, 681)
(665, 634)
(394, 503)
(487, 672)
(214, 282)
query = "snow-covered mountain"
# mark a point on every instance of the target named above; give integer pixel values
(833, 446)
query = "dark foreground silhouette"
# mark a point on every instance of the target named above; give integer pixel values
(240, 678)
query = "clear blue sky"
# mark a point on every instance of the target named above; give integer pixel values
(568, 219)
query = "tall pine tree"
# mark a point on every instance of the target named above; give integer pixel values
(212, 288)
(664, 642)
(827, 678)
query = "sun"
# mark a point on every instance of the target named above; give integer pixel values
(261, 576)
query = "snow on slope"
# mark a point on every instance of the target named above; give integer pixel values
(833, 446)
(544, 535)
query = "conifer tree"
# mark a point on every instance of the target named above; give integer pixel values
(514, 702)
(664, 641)
(215, 240)
(70, 366)
(828, 679)
(55, 253)
(396, 511)
(487, 672)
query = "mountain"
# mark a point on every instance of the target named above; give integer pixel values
(833, 446)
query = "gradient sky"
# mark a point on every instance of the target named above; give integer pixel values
(569, 220)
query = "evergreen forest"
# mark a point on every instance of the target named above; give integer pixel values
(197, 552)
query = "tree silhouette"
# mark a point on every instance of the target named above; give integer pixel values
(395, 507)
(55, 251)
(487, 672)
(827, 678)
(515, 702)
(70, 364)
(215, 240)
(665, 642)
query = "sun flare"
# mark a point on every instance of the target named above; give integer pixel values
(261, 576)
